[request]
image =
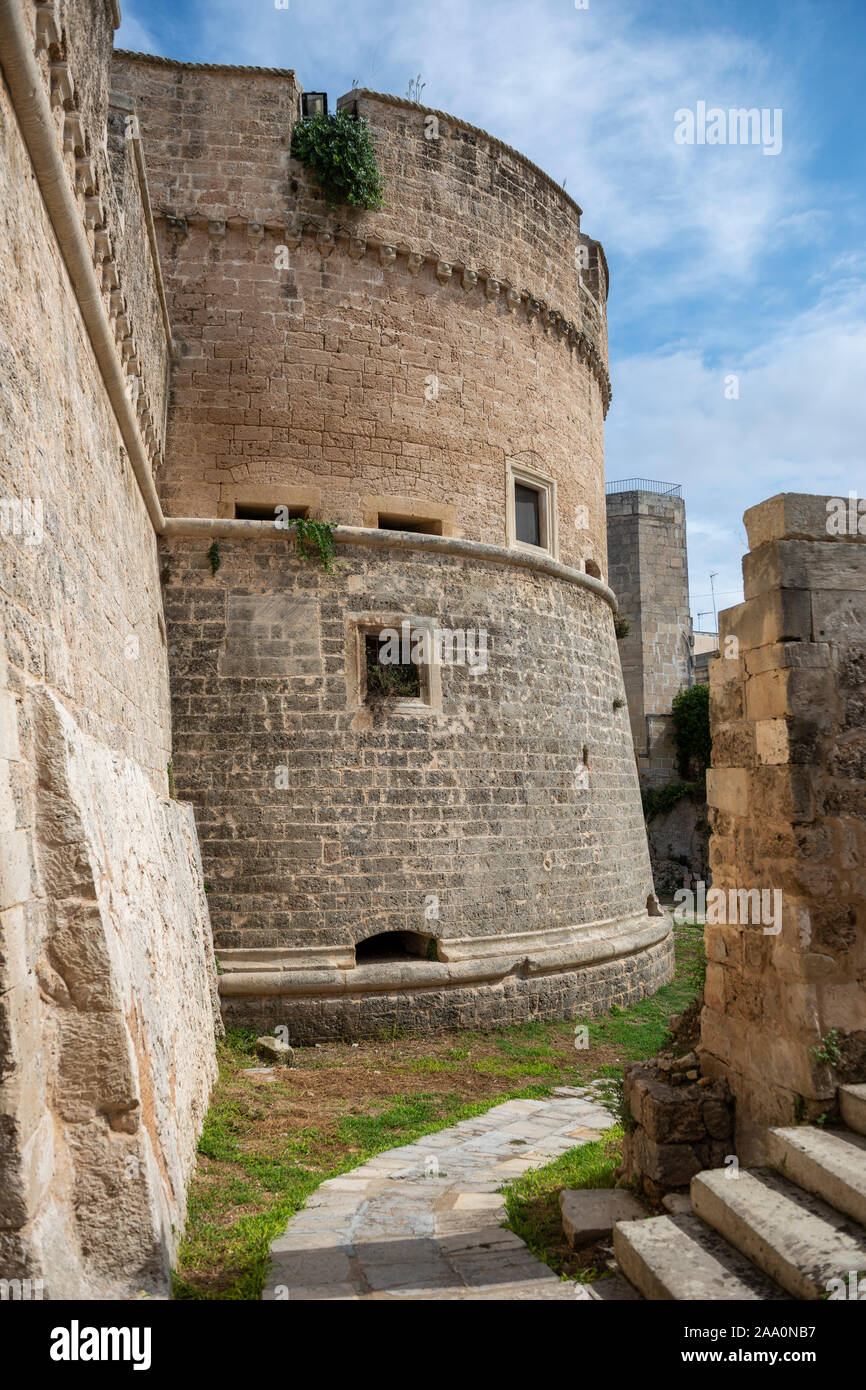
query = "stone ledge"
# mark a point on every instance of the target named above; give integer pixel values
(393, 540)
(252, 976)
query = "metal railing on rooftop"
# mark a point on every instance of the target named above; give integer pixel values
(645, 485)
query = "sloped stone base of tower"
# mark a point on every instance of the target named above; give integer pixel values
(417, 1007)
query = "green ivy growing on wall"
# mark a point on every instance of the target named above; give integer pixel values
(691, 715)
(342, 154)
(320, 535)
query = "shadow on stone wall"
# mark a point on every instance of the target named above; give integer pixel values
(679, 839)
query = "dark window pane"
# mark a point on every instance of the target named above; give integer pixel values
(399, 523)
(265, 511)
(526, 518)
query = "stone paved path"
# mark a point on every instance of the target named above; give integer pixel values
(425, 1221)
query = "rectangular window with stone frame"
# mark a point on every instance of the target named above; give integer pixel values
(391, 664)
(530, 510)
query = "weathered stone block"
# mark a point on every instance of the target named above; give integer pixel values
(782, 615)
(666, 1165)
(839, 616)
(788, 516)
(8, 725)
(800, 564)
(591, 1214)
(727, 790)
(15, 884)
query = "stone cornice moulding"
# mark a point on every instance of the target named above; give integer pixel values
(483, 281)
(228, 529)
(540, 941)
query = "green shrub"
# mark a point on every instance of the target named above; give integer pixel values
(341, 153)
(691, 715)
(390, 679)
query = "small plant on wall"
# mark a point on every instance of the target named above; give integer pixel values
(320, 535)
(389, 679)
(340, 151)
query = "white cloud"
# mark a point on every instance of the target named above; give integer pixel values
(590, 95)
(135, 36)
(798, 426)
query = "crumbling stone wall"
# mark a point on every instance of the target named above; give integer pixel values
(787, 795)
(679, 846)
(678, 1123)
(106, 972)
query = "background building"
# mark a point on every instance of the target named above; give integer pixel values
(648, 571)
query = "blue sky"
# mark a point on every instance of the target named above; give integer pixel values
(723, 260)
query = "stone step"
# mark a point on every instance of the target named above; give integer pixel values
(798, 1240)
(830, 1163)
(852, 1100)
(679, 1257)
(615, 1289)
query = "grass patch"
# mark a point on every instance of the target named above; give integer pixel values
(225, 1252)
(532, 1204)
(268, 1142)
(641, 1031)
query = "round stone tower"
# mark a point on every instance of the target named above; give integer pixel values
(449, 835)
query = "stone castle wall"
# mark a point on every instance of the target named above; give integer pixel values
(106, 1023)
(648, 571)
(787, 795)
(404, 356)
(503, 820)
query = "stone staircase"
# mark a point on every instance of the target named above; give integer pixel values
(779, 1232)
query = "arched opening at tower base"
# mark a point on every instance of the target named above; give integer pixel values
(395, 946)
